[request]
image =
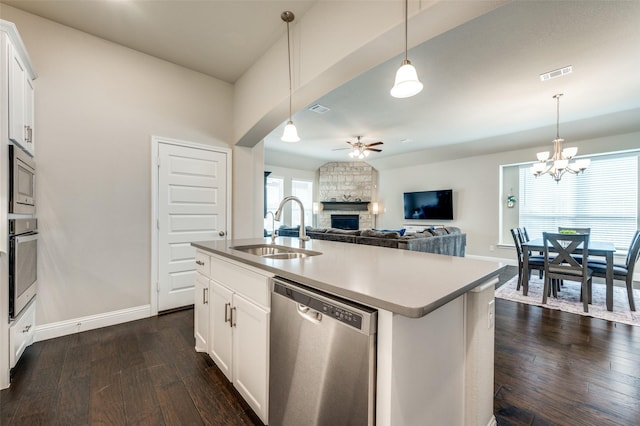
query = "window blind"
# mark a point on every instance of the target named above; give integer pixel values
(603, 198)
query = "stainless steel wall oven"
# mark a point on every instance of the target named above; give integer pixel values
(23, 266)
(22, 182)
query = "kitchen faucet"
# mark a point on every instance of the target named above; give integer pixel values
(303, 233)
(274, 233)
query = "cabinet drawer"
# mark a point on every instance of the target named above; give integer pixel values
(21, 332)
(249, 284)
(203, 263)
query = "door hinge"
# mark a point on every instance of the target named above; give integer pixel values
(158, 224)
(158, 287)
(158, 161)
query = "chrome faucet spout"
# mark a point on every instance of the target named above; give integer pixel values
(303, 233)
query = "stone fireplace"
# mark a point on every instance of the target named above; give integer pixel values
(346, 188)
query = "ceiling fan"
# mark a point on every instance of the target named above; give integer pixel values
(361, 150)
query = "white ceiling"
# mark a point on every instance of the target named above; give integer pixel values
(482, 90)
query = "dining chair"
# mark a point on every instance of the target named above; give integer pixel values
(621, 271)
(535, 261)
(564, 266)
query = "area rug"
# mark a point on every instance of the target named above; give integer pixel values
(569, 300)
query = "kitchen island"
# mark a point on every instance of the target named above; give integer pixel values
(435, 320)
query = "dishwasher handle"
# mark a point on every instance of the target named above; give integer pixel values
(309, 314)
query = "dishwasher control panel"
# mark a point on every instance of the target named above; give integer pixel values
(356, 316)
(341, 314)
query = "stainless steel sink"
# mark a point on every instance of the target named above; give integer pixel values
(271, 251)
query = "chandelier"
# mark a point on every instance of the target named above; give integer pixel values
(560, 163)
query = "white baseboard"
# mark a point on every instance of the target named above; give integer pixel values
(91, 322)
(493, 421)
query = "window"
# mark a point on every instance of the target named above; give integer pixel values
(304, 191)
(604, 198)
(275, 193)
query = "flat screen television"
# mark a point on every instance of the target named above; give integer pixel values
(429, 205)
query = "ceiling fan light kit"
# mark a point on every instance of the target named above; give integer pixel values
(560, 163)
(361, 150)
(290, 133)
(406, 83)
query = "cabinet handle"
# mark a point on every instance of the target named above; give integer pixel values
(226, 312)
(221, 233)
(205, 299)
(26, 329)
(29, 134)
(233, 317)
(199, 262)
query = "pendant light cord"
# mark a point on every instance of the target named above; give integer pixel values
(406, 28)
(558, 118)
(289, 55)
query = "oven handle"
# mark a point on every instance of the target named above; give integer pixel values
(25, 238)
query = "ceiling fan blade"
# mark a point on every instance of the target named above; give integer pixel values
(373, 149)
(375, 143)
(340, 149)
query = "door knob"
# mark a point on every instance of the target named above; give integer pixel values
(221, 233)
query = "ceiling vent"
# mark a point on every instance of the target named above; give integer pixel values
(319, 108)
(556, 73)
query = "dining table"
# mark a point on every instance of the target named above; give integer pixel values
(596, 248)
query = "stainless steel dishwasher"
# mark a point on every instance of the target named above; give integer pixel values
(322, 359)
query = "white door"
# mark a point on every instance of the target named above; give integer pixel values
(192, 194)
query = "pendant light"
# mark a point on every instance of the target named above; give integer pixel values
(406, 83)
(290, 133)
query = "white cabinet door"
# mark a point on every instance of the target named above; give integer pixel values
(20, 102)
(221, 333)
(251, 353)
(21, 333)
(201, 313)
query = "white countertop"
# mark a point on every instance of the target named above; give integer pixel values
(401, 281)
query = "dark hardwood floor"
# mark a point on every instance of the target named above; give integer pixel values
(557, 368)
(551, 368)
(140, 373)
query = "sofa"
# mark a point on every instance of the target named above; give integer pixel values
(447, 240)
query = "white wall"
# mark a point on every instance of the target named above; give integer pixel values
(477, 193)
(97, 105)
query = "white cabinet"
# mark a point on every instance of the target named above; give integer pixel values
(221, 349)
(201, 313)
(201, 305)
(239, 342)
(21, 332)
(21, 99)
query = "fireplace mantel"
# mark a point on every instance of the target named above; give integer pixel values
(345, 205)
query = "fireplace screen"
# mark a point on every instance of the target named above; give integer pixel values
(345, 221)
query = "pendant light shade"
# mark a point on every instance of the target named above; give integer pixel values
(406, 83)
(290, 133)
